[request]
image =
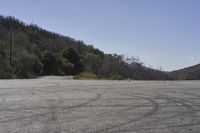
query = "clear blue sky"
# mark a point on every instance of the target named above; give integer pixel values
(161, 32)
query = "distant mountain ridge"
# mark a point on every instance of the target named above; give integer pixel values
(188, 73)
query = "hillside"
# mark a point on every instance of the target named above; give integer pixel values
(28, 51)
(189, 73)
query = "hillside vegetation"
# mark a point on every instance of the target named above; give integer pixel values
(189, 73)
(28, 51)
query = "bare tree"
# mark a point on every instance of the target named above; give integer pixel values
(11, 41)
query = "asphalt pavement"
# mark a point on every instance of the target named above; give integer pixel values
(60, 105)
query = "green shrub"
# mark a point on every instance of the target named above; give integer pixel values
(116, 77)
(86, 75)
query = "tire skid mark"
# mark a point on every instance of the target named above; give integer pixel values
(158, 127)
(187, 104)
(26, 122)
(196, 106)
(54, 111)
(35, 116)
(10, 105)
(155, 106)
(175, 100)
(189, 107)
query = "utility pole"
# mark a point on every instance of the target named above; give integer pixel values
(11, 46)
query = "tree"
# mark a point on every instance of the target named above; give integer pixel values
(49, 62)
(37, 66)
(71, 54)
(36, 50)
(65, 66)
(92, 62)
(2, 52)
(27, 66)
(73, 57)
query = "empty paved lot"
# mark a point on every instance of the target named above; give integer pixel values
(57, 105)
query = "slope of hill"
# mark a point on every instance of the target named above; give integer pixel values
(28, 51)
(189, 73)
